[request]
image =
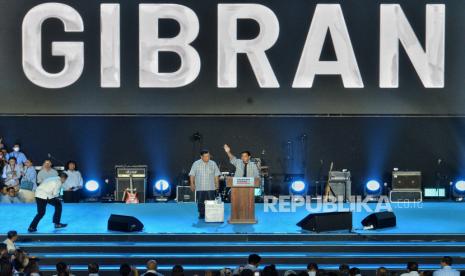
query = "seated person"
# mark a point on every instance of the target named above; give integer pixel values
(73, 185)
(46, 171)
(28, 183)
(11, 196)
(11, 174)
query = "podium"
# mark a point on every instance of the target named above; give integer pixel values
(242, 199)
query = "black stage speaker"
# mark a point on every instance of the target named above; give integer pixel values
(124, 223)
(380, 220)
(327, 221)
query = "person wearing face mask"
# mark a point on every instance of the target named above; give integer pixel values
(73, 185)
(11, 174)
(244, 167)
(46, 172)
(16, 153)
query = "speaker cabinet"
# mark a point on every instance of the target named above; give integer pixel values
(124, 223)
(139, 184)
(327, 222)
(380, 220)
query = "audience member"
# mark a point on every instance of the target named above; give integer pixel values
(344, 269)
(33, 269)
(28, 182)
(16, 153)
(73, 185)
(446, 268)
(312, 269)
(290, 273)
(382, 271)
(253, 262)
(93, 269)
(270, 270)
(12, 236)
(4, 257)
(177, 270)
(354, 271)
(11, 173)
(46, 171)
(10, 196)
(226, 272)
(247, 272)
(412, 269)
(127, 270)
(152, 268)
(6, 269)
(20, 261)
(63, 269)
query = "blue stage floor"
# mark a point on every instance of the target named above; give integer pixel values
(91, 218)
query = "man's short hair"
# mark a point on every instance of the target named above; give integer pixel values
(382, 271)
(11, 234)
(204, 151)
(93, 268)
(63, 175)
(254, 259)
(125, 269)
(12, 158)
(312, 266)
(412, 266)
(447, 260)
(61, 267)
(246, 152)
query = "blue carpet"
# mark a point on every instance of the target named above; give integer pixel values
(91, 218)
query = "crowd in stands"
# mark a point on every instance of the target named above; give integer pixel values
(20, 178)
(16, 262)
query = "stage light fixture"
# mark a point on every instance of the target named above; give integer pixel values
(458, 190)
(373, 189)
(161, 190)
(92, 190)
(298, 188)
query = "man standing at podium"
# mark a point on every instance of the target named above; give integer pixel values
(204, 180)
(244, 167)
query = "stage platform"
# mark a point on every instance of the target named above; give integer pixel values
(173, 235)
(91, 218)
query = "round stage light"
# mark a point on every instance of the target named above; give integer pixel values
(459, 187)
(373, 186)
(298, 186)
(92, 186)
(162, 185)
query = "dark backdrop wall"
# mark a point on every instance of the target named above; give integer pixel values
(368, 146)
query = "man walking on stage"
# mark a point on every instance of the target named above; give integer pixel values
(244, 167)
(204, 180)
(47, 193)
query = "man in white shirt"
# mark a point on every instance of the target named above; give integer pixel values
(12, 236)
(412, 269)
(446, 268)
(47, 193)
(152, 268)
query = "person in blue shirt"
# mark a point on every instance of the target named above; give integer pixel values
(16, 153)
(446, 268)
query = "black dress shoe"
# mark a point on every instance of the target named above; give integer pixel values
(60, 225)
(32, 230)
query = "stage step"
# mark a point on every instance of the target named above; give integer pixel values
(198, 253)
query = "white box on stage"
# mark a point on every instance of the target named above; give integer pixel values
(214, 211)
